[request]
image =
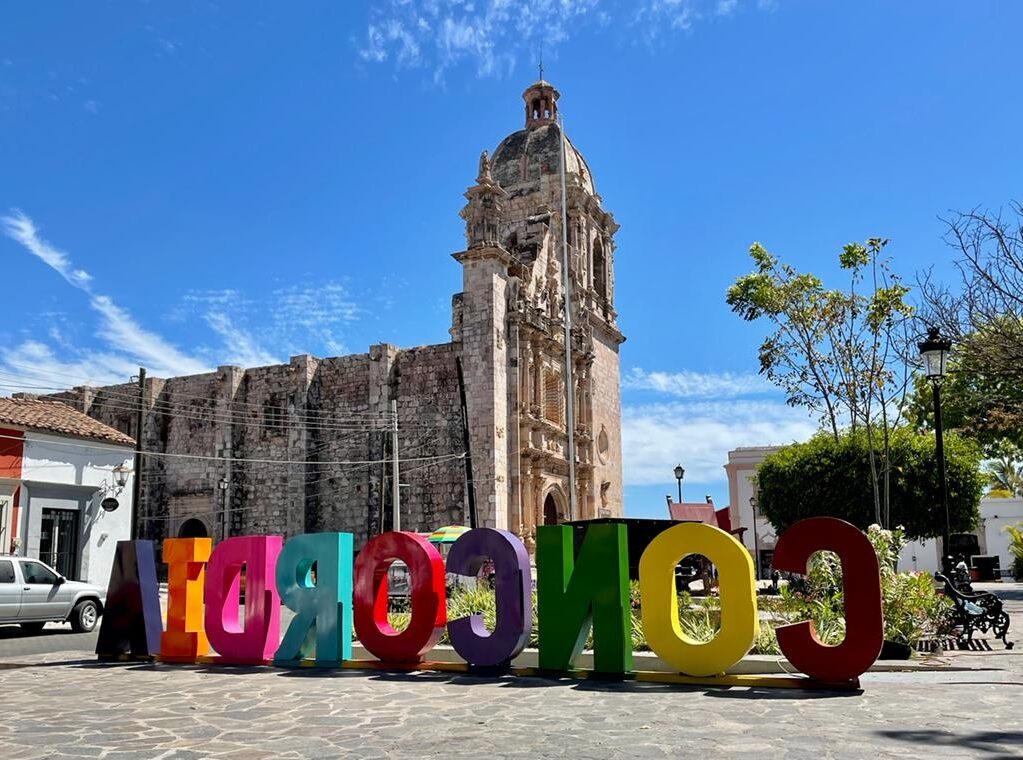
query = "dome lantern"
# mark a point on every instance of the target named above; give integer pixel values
(541, 104)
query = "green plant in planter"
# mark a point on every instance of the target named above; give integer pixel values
(1016, 547)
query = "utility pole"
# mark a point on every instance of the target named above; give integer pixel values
(395, 486)
(470, 486)
(136, 485)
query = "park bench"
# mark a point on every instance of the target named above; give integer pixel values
(976, 612)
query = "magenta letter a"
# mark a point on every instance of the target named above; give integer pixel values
(256, 641)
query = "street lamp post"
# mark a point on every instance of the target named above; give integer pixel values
(934, 351)
(756, 539)
(680, 473)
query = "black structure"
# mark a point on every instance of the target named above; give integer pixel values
(640, 532)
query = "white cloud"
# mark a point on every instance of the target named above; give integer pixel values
(314, 313)
(33, 367)
(700, 434)
(491, 35)
(18, 226)
(242, 347)
(118, 329)
(691, 385)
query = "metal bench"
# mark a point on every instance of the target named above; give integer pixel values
(977, 612)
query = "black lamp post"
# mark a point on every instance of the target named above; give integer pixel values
(680, 473)
(756, 539)
(934, 351)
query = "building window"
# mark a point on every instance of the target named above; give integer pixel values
(553, 391)
(599, 270)
(603, 445)
(274, 413)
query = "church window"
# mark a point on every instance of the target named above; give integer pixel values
(552, 396)
(603, 445)
(599, 270)
(273, 415)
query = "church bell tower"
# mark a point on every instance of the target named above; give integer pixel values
(510, 323)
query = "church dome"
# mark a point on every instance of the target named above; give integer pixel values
(525, 155)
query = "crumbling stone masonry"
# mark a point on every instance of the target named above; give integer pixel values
(297, 447)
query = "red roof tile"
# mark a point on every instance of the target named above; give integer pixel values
(55, 417)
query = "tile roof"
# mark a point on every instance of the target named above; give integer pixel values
(56, 417)
(701, 512)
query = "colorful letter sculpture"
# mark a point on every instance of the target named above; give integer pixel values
(314, 575)
(131, 618)
(573, 593)
(861, 588)
(739, 620)
(513, 592)
(186, 569)
(429, 616)
(314, 578)
(260, 636)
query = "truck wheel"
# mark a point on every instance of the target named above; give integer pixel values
(84, 616)
(32, 627)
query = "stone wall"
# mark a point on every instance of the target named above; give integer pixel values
(293, 448)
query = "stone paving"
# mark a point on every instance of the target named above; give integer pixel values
(65, 704)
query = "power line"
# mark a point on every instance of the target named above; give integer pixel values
(203, 457)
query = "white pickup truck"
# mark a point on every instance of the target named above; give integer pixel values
(33, 594)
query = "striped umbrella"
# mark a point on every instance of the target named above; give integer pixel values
(447, 534)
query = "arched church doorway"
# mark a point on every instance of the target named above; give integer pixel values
(192, 528)
(550, 510)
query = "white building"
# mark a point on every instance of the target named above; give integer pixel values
(65, 487)
(921, 555)
(995, 516)
(759, 537)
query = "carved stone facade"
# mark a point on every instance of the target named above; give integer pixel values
(511, 316)
(303, 446)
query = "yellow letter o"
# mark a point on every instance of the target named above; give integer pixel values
(740, 623)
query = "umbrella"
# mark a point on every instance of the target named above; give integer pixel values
(447, 534)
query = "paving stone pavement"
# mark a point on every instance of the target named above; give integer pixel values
(58, 703)
(54, 706)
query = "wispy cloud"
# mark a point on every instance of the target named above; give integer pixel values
(491, 35)
(299, 318)
(18, 226)
(696, 385)
(290, 319)
(117, 327)
(700, 435)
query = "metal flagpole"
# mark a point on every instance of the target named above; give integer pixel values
(567, 280)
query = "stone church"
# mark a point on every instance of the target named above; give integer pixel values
(307, 446)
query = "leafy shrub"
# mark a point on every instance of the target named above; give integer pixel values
(828, 477)
(1016, 547)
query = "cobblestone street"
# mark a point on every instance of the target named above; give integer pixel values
(61, 707)
(59, 702)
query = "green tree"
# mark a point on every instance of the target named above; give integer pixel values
(831, 476)
(979, 401)
(1004, 472)
(983, 315)
(841, 353)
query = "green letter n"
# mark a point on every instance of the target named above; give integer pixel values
(573, 594)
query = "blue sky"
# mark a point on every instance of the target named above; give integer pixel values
(190, 184)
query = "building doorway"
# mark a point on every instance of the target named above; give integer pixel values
(550, 510)
(193, 528)
(58, 541)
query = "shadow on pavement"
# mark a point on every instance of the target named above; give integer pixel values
(1002, 742)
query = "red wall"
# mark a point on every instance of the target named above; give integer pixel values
(11, 453)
